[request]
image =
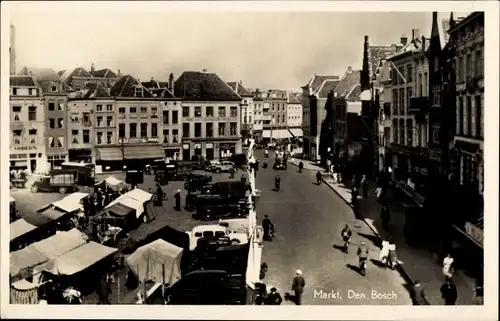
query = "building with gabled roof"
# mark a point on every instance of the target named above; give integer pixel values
(294, 115)
(210, 116)
(247, 113)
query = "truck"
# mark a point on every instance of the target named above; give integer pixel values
(84, 172)
(57, 182)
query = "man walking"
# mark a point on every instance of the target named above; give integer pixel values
(104, 290)
(267, 225)
(364, 186)
(298, 285)
(418, 294)
(177, 197)
(449, 292)
(301, 166)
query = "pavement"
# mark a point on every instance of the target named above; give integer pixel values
(308, 220)
(415, 263)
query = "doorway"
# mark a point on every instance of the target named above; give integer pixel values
(33, 165)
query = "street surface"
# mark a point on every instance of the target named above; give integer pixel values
(308, 220)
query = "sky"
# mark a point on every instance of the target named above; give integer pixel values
(262, 49)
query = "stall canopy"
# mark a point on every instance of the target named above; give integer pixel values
(69, 204)
(113, 183)
(19, 228)
(158, 261)
(120, 210)
(139, 195)
(76, 260)
(134, 199)
(45, 250)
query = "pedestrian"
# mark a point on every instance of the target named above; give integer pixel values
(334, 177)
(354, 181)
(448, 266)
(478, 294)
(418, 294)
(231, 173)
(385, 216)
(177, 197)
(354, 195)
(298, 285)
(104, 290)
(274, 298)
(378, 192)
(243, 179)
(449, 292)
(267, 225)
(301, 166)
(318, 177)
(364, 185)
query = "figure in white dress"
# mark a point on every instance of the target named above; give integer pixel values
(448, 266)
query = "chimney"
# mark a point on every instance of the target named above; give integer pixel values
(205, 70)
(404, 40)
(365, 70)
(349, 69)
(241, 82)
(423, 43)
(119, 73)
(171, 83)
(92, 69)
(415, 34)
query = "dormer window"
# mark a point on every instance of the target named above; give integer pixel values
(53, 88)
(138, 91)
(14, 91)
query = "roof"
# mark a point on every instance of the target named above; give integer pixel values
(77, 72)
(61, 72)
(158, 261)
(77, 260)
(412, 46)
(354, 94)
(40, 73)
(192, 85)
(239, 89)
(104, 73)
(377, 54)
(162, 93)
(316, 81)
(22, 81)
(19, 228)
(326, 87)
(292, 99)
(125, 87)
(91, 90)
(350, 79)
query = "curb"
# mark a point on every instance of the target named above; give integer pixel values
(358, 215)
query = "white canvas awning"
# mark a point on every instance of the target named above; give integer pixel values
(19, 228)
(297, 132)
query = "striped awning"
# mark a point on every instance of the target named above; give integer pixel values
(130, 152)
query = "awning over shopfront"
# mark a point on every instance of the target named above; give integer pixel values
(130, 152)
(109, 154)
(277, 134)
(297, 132)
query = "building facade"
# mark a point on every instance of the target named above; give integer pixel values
(275, 121)
(210, 116)
(27, 125)
(247, 106)
(258, 112)
(294, 115)
(76, 79)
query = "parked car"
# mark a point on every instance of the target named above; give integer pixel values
(222, 199)
(214, 230)
(134, 176)
(224, 166)
(195, 182)
(210, 166)
(61, 183)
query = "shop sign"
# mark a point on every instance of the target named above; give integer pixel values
(25, 148)
(475, 232)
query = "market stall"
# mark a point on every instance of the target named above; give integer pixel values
(23, 233)
(23, 292)
(112, 182)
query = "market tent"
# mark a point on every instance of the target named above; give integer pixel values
(71, 202)
(129, 202)
(158, 261)
(19, 228)
(113, 183)
(23, 292)
(76, 260)
(118, 215)
(140, 195)
(119, 209)
(45, 250)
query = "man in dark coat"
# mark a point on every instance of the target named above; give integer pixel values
(177, 197)
(267, 225)
(418, 294)
(385, 216)
(298, 285)
(449, 292)
(301, 166)
(274, 298)
(243, 179)
(104, 290)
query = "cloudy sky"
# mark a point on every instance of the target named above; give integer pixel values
(263, 49)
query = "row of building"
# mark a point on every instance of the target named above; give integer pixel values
(415, 111)
(103, 117)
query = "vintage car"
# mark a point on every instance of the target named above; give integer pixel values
(61, 183)
(280, 163)
(215, 231)
(224, 166)
(222, 199)
(195, 182)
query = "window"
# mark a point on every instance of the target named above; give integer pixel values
(133, 110)
(209, 128)
(469, 116)
(74, 133)
(86, 136)
(109, 121)
(234, 112)
(32, 113)
(175, 134)
(283, 119)
(32, 132)
(32, 92)
(409, 74)
(232, 129)
(99, 138)
(165, 116)
(197, 112)
(52, 142)
(185, 129)
(197, 129)
(222, 112)
(109, 107)
(60, 123)
(460, 116)
(154, 112)
(144, 130)
(138, 92)
(99, 108)
(52, 106)
(408, 96)
(53, 88)
(175, 117)
(409, 125)
(468, 66)
(144, 110)
(165, 136)
(222, 129)
(460, 69)
(478, 63)
(420, 86)
(86, 117)
(402, 102)
(109, 137)
(154, 130)
(479, 117)
(60, 106)
(14, 91)
(121, 130)
(402, 137)
(210, 111)
(185, 111)
(121, 110)
(99, 121)
(435, 132)
(133, 130)
(17, 137)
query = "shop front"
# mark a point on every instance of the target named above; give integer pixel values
(80, 155)
(113, 158)
(56, 159)
(227, 149)
(28, 158)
